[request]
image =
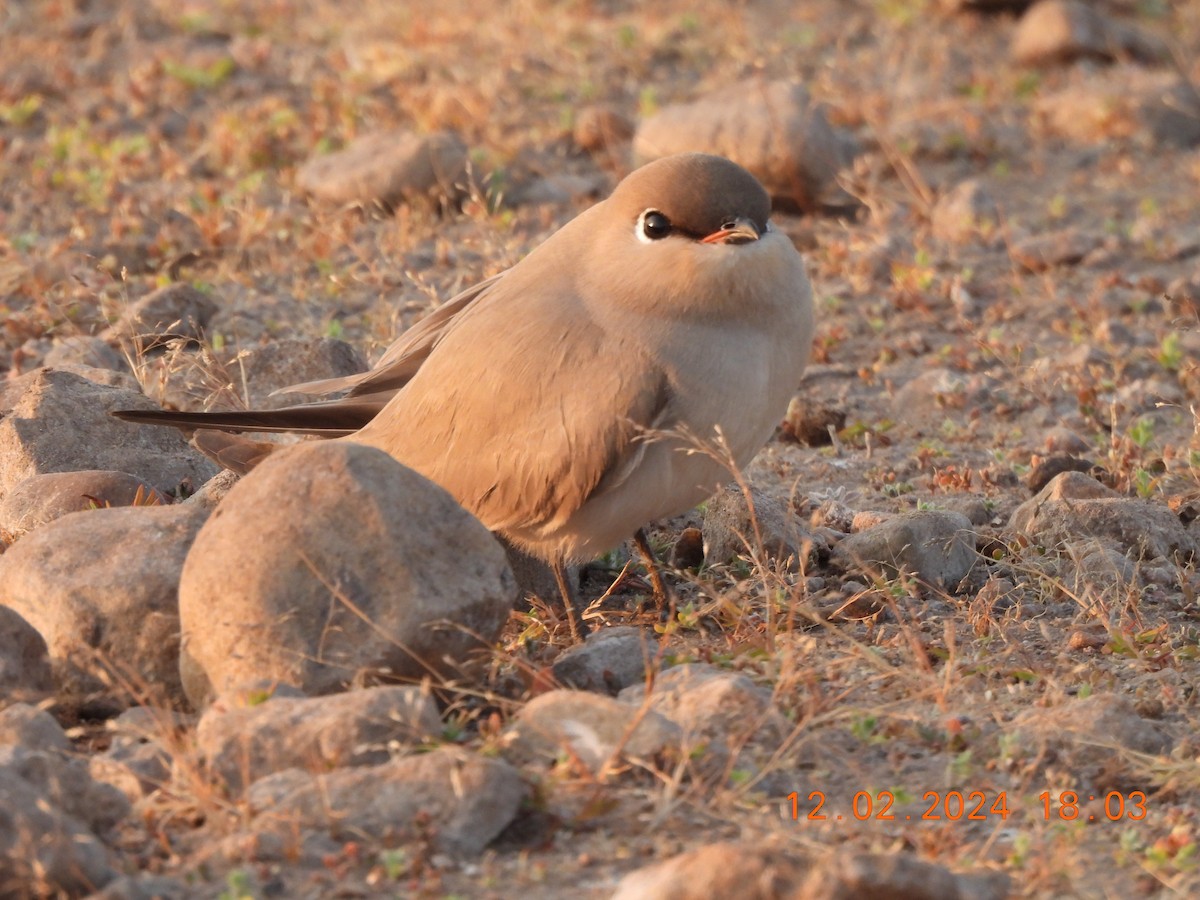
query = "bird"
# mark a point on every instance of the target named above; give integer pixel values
(564, 401)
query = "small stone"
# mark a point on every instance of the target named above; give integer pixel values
(965, 212)
(1088, 639)
(1059, 248)
(1045, 470)
(772, 128)
(87, 351)
(25, 672)
(557, 190)
(937, 547)
(1171, 115)
(835, 515)
(937, 394)
(809, 422)
(143, 887)
(389, 169)
(43, 498)
(854, 603)
(213, 491)
(177, 312)
(136, 768)
(1116, 334)
(267, 369)
(607, 661)
(601, 128)
(720, 872)
(41, 844)
(64, 782)
(974, 507)
(1060, 440)
(865, 876)
(709, 701)
(997, 595)
(1082, 358)
(357, 728)
(868, 518)
(32, 728)
(1060, 31)
(590, 729)
(758, 872)
(734, 528)
(1100, 570)
(457, 801)
(1087, 732)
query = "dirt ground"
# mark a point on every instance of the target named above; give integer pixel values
(141, 142)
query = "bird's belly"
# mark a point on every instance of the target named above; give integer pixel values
(667, 481)
(742, 400)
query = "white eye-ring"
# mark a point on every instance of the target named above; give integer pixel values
(652, 226)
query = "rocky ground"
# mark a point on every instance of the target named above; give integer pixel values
(941, 639)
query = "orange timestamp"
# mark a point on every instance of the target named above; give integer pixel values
(971, 806)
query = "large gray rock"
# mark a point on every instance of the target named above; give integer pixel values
(101, 588)
(772, 128)
(58, 421)
(332, 561)
(591, 729)
(44, 498)
(937, 547)
(25, 672)
(358, 728)
(462, 802)
(389, 168)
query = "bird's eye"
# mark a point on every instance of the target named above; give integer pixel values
(654, 225)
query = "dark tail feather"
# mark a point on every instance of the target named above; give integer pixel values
(332, 418)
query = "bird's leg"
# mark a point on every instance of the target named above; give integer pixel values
(571, 602)
(663, 596)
